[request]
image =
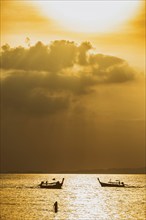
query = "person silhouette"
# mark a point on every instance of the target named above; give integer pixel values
(56, 206)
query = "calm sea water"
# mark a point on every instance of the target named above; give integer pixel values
(80, 198)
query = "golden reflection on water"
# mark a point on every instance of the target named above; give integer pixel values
(86, 199)
(80, 198)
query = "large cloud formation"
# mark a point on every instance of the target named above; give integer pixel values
(65, 107)
(44, 79)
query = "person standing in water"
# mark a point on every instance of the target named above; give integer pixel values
(56, 207)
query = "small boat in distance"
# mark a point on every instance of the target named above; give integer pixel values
(53, 185)
(117, 183)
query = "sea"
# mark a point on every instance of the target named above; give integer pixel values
(81, 197)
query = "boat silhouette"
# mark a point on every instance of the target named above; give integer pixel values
(53, 185)
(117, 183)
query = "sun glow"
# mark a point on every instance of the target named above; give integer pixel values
(89, 16)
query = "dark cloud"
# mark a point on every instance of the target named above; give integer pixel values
(47, 79)
(60, 105)
(29, 92)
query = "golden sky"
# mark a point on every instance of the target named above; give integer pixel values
(113, 28)
(72, 85)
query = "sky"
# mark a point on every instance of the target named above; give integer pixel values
(72, 85)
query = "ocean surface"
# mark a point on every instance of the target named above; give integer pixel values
(81, 197)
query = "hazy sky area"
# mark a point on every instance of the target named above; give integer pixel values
(72, 87)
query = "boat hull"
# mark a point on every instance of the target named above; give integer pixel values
(110, 184)
(51, 187)
(54, 185)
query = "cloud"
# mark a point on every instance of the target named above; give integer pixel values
(57, 56)
(46, 79)
(73, 108)
(60, 55)
(83, 49)
(120, 73)
(29, 93)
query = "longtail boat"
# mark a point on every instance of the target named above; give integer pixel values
(117, 183)
(53, 185)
